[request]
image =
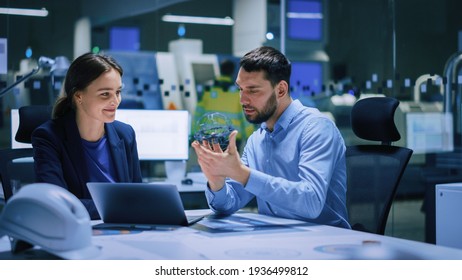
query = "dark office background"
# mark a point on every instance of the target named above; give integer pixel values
(359, 32)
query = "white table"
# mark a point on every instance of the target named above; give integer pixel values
(252, 236)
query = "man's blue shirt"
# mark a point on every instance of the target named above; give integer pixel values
(298, 170)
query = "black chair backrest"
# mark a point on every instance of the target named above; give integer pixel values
(374, 171)
(30, 117)
(373, 119)
(9, 170)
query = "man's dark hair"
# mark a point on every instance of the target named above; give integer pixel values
(276, 66)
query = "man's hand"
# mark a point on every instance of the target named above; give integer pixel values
(218, 164)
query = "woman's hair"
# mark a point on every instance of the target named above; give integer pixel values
(276, 66)
(83, 70)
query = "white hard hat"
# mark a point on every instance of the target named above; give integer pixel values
(51, 217)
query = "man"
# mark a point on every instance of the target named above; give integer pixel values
(294, 164)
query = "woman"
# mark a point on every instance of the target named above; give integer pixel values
(83, 142)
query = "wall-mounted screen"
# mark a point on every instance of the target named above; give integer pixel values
(305, 20)
(160, 134)
(3, 56)
(124, 39)
(141, 80)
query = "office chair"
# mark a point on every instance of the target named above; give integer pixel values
(374, 170)
(30, 117)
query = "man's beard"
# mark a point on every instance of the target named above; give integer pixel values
(266, 113)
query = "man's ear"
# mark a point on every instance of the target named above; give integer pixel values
(282, 88)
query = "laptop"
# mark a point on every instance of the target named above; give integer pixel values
(145, 206)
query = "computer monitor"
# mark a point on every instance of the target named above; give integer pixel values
(203, 72)
(160, 134)
(429, 132)
(194, 69)
(306, 78)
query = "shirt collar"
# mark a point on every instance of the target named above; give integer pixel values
(286, 117)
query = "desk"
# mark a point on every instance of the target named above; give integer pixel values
(248, 236)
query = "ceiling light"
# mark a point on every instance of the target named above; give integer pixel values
(24, 12)
(198, 20)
